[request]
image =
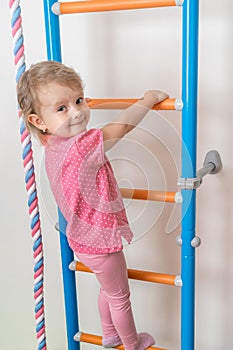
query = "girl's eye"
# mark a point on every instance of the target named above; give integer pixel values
(79, 100)
(61, 108)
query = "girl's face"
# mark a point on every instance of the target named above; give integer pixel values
(63, 111)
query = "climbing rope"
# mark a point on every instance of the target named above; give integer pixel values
(27, 155)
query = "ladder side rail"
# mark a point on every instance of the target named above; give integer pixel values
(53, 44)
(189, 140)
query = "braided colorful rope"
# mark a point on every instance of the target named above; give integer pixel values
(19, 60)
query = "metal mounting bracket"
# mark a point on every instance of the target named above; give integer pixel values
(212, 165)
(189, 183)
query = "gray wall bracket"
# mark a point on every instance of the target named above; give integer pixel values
(212, 165)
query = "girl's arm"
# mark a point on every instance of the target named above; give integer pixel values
(130, 117)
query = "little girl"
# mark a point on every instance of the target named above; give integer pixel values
(53, 106)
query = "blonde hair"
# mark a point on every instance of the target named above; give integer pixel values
(38, 75)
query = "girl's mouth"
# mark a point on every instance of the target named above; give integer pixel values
(78, 122)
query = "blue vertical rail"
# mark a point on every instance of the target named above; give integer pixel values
(70, 296)
(189, 138)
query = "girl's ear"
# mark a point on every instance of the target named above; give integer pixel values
(35, 120)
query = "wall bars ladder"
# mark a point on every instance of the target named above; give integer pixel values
(188, 182)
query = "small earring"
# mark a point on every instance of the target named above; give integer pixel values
(44, 131)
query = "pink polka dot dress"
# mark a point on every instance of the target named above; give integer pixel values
(86, 191)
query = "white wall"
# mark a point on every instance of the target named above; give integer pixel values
(122, 55)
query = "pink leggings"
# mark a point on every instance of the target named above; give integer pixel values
(114, 298)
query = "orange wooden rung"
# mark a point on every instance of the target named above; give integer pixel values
(150, 195)
(139, 275)
(123, 103)
(97, 340)
(112, 5)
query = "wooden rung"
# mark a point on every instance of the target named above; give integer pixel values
(139, 275)
(97, 340)
(149, 195)
(111, 5)
(123, 103)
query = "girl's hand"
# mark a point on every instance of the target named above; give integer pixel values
(152, 97)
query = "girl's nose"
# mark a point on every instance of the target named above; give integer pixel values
(76, 113)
